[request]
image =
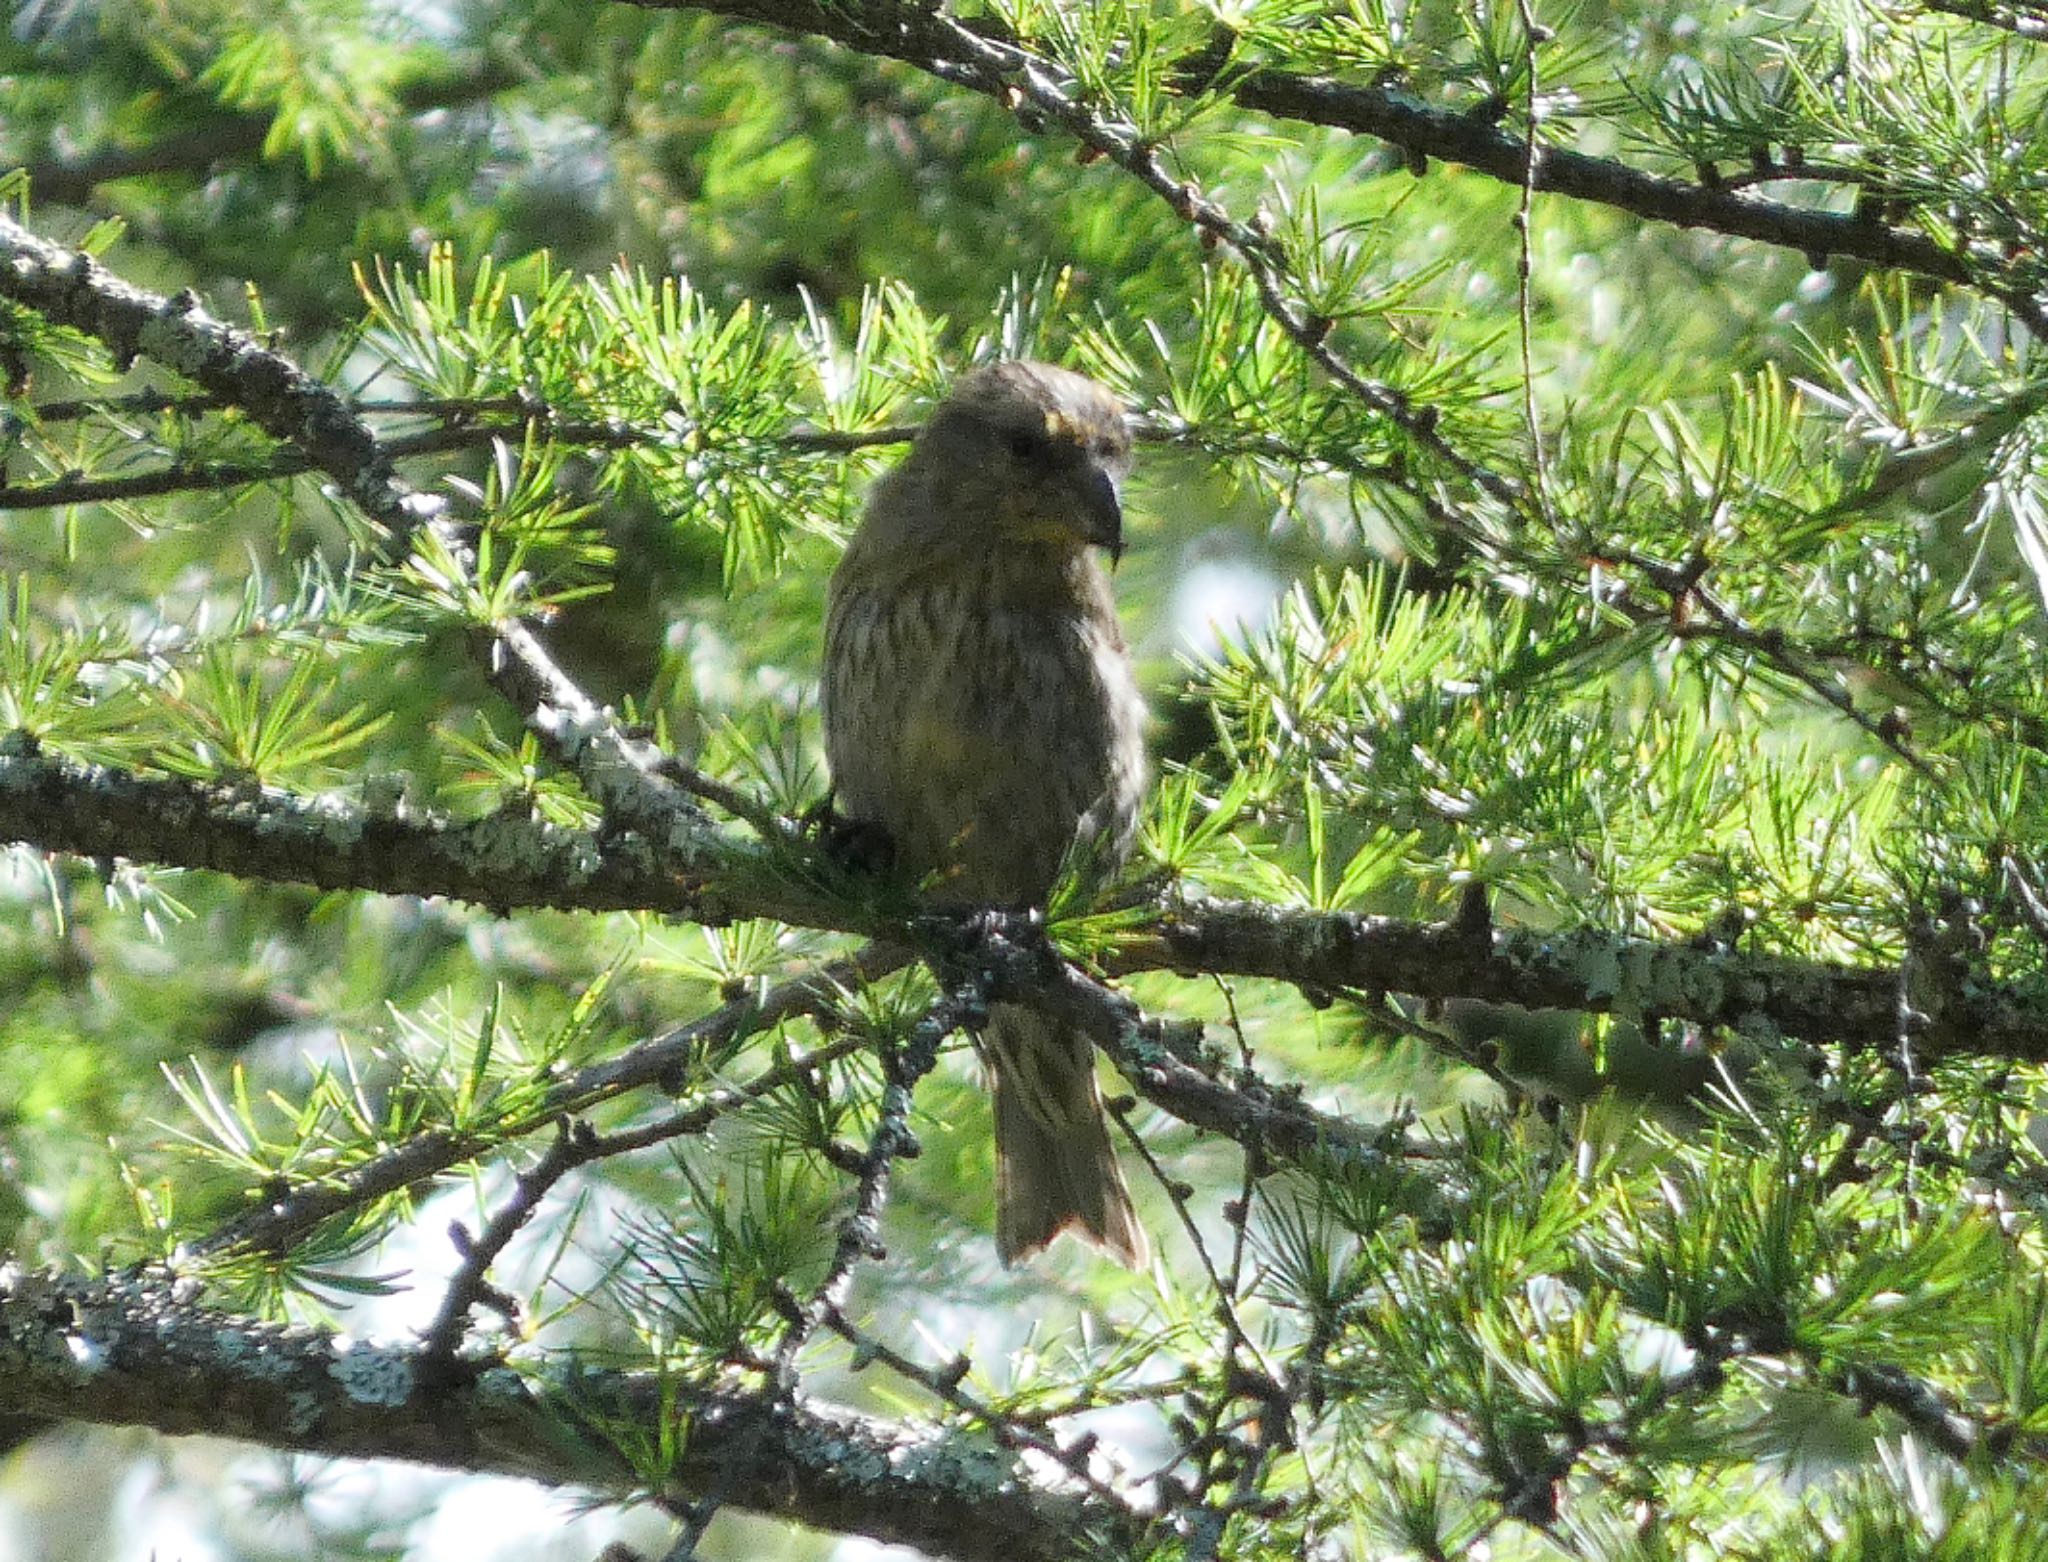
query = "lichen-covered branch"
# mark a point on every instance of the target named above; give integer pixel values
(1590, 969)
(128, 1353)
(509, 862)
(330, 841)
(72, 289)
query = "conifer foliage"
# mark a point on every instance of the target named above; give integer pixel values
(1576, 1017)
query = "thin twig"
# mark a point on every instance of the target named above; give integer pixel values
(285, 1218)
(2032, 907)
(1525, 263)
(573, 1146)
(945, 1384)
(859, 1230)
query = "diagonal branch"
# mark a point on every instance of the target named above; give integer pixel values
(859, 1229)
(1380, 111)
(1473, 142)
(1012, 957)
(2021, 19)
(914, 35)
(985, 61)
(657, 1061)
(470, 1286)
(72, 289)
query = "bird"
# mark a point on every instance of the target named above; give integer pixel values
(981, 713)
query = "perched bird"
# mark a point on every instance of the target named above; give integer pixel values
(980, 712)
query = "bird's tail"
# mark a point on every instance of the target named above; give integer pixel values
(1055, 1167)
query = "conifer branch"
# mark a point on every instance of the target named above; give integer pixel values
(70, 288)
(508, 861)
(131, 1353)
(925, 40)
(660, 1061)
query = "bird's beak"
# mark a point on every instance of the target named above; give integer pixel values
(1104, 524)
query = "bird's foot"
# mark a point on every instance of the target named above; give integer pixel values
(857, 845)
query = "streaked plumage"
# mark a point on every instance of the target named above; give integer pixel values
(980, 709)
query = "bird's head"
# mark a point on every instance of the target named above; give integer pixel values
(1031, 454)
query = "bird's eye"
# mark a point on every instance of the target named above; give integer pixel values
(1026, 445)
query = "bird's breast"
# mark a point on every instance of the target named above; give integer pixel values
(984, 723)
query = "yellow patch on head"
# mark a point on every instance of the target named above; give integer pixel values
(1059, 532)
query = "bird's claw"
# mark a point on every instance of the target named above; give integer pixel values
(857, 845)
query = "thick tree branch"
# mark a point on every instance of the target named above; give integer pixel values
(1589, 969)
(330, 842)
(509, 861)
(895, 30)
(129, 1354)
